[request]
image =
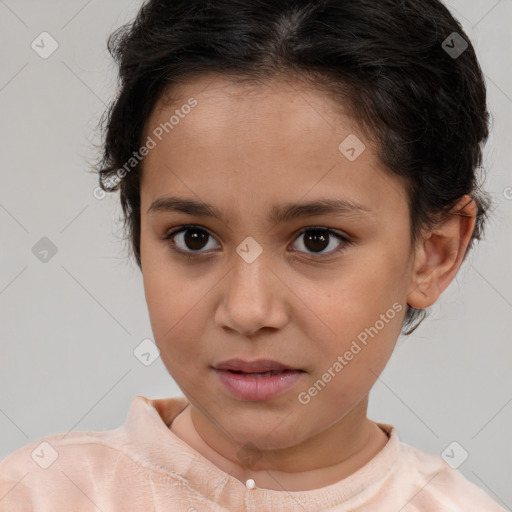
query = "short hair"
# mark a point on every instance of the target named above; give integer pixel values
(403, 69)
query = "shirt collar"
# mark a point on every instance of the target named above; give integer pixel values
(147, 438)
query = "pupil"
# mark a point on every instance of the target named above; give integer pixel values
(316, 236)
(197, 240)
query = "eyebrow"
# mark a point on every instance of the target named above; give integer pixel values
(278, 213)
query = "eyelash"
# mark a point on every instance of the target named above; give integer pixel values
(169, 235)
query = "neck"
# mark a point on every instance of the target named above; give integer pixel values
(325, 459)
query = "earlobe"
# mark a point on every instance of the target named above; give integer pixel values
(440, 252)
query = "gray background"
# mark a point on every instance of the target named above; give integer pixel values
(68, 327)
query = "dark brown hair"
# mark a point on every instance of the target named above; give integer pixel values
(414, 86)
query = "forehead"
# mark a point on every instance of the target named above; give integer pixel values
(276, 138)
(282, 106)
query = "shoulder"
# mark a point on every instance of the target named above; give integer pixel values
(57, 449)
(436, 484)
(57, 465)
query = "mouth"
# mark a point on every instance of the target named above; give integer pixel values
(257, 380)
(258, 367)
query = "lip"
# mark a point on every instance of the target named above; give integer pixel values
(257, 366)
(258, 388)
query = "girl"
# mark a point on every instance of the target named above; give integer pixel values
(298, 183)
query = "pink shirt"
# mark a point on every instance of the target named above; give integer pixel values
(143, 466)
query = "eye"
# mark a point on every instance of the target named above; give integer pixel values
(318, 238)
(190, 240)
(188, 237)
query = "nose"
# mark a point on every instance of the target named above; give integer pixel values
(254, 297)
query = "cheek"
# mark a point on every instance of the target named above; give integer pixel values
(357, 296)
(363, 313)
(162, 285)
(175, 316)
(175, 327)
(165, 298)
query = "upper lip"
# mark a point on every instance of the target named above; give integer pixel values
(260, 365)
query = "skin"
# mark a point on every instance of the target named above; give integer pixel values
(244, 149)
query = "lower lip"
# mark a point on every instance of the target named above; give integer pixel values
(247, 387)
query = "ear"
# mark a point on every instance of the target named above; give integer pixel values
(440, 252)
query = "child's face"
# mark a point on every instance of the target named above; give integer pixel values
(246, 151)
